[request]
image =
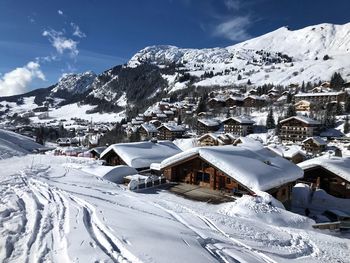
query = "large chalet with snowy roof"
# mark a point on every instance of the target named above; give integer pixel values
(321, 97)
(168, 131)
(207, 125)
(234, 169)
(298, 128)
(148, 131)
(240, 126)
(314, 145)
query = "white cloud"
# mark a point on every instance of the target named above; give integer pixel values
(233, 4)
(17, 80)
(234, 29)
(76, 31)
(60, 12)
(61, 43)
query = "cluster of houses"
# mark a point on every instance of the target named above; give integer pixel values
(244, 167)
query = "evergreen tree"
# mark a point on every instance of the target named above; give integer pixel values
(303, 89)
(346, 125)
(329, 117)
(270, 121)
(291, 111)
(289, 98)
(239, 77)
(278, 126)
(347, 103)
(202, 106)
(337, 81)
(339, 109)
(179, 120)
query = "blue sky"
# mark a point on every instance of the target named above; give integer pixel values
(42, 39)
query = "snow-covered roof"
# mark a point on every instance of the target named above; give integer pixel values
(209, 122)
(149, 127)
(318, 94)
(318, 140)
(256, 168)
(255, 97)
(302, 119)
(142, 154)
(173, 127)
(240, 119)
(286, 152)
(236, 98)
(337, 165)
(98, 150)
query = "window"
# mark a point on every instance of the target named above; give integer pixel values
(228, 180)
(203, 177)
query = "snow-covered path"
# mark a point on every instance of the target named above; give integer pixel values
(51, 211)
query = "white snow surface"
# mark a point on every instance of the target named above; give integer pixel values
(114, 174)
(253, 166)
(52, 211)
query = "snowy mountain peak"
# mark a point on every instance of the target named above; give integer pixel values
(75, 82)
(283, 56)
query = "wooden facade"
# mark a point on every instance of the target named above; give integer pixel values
(321, 97)
(164, 133)
(238, 128)
(296, 130)
(328, 181)
(113, 159)
(203, 128)
(147, 134)
(197, 171)
(252, 101)
(312, 146)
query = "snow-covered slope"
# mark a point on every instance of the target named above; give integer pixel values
(13, 144)
(53, 211)
(282, 57)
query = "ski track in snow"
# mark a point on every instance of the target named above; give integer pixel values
(42, 209)
(45, 222)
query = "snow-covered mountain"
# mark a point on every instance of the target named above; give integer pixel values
(75, 83)
(282, 57)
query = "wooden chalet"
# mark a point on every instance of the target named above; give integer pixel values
(225, 168)
(319, 98)
(254, 101)
(234, 101)
(96, 152)
(303, 105)
(148, 131)
(212, 139)
(216, 102)
(298, 128)
(328, 173)
(314, 145)
(169, 131)
(207, 126)
(240, 126)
